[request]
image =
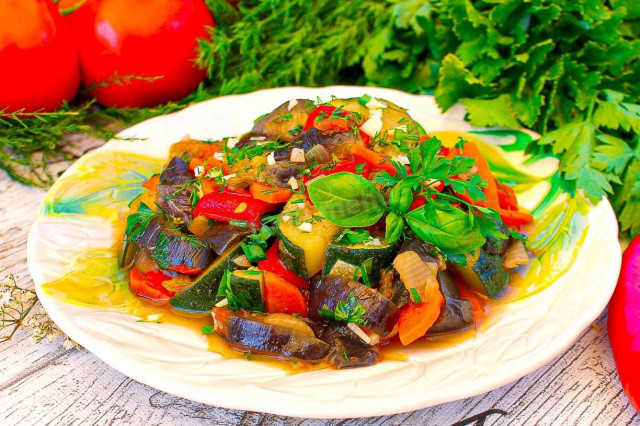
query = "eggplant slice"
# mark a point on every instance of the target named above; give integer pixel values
(220, 236)
(174, 249)
(457, 313)
(282, 122)
(176, 173)
(246, 331)
(381, 313)
(347, 349)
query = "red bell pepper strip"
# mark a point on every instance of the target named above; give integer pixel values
(149, 285)
(280, 296)
(515, 218)
(184, 269)
(624, 323)
(273, 264)
(351, 166)
(232, 205)
(321, 119)
(507, 197)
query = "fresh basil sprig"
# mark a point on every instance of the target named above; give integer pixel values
(347, 199)
(350, 200)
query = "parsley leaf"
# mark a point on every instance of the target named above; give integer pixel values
(138, 222)
(350, 310)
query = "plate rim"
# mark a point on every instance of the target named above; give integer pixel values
(320, 411)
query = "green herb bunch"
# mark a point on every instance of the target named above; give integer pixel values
(567, 69)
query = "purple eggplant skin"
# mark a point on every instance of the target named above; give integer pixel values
(282, 122)
(176, 202)
(174, 248)
(176, 173)
(457, 313)
(332, 141)
(148, 238)
(347, 349)
(393, 288)
(245, 331)
(220, 236)
(382, 315)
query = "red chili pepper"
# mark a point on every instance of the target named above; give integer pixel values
(273, 264)
(149, 285)
(624, 323)
(231, 205)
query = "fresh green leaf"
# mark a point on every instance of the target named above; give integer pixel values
(350, 310)
(446, 227)
(137, 222)
(394, 227)
(347, 199)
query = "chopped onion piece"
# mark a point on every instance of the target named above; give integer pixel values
(154, 317)
(359, 332)
(289, 321)
(218, 156)
(375, 104)
(242, 261)
(224, 302)
(306, 227)
(403, 159)
(516, 255)
(231, 143)
(286, 218)
(257, 138)
(229, 176)
(372, 126)
(318, 153)
(293, 183)
(271, 158)
(292, 103)
(198, 171)
(297, 155)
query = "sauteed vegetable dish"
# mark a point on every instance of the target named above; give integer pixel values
(325, 231)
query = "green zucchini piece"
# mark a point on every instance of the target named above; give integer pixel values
(244, 290)
(303, 252)
(484, 272)
(201, 296)
(343, 259)
(127, 253)
(392, 117)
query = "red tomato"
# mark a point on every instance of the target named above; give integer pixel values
(153, 39)
(624, 323)
(39, 60)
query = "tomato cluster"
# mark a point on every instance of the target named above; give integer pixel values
(124, 52)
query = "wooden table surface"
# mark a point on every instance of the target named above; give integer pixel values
(48, 384)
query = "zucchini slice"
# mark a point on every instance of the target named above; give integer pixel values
(201, 296)
(127, 253)
(343, 259)
(244, 290)
(393, 117)
(484, 272)
(300, 251)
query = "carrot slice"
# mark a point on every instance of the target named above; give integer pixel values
(373, 158)
(416, 319)
(282, 297)
(471, 150)
(152, 183)
(268, 193)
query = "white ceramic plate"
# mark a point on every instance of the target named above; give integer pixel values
(84, 211)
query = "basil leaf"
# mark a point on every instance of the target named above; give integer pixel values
(395, 226)
(446, 227)
(346, 199)
(400, 198)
